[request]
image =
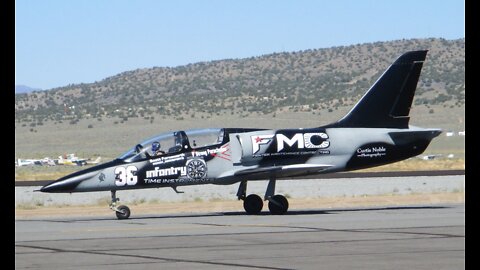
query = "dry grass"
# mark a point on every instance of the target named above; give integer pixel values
(32, 173)
(110, 140)
(158, 207)
(415, 164)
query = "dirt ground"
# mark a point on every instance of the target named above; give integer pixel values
(234, 205)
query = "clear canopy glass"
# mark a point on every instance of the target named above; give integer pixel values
(175, 142)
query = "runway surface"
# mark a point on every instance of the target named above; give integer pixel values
(405, 237)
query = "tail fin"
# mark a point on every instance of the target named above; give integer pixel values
(387, 103)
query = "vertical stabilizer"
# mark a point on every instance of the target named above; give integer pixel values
(387, 103)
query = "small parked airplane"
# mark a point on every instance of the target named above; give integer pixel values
(376, 131)
(431, 157)
(72, 160)
(28, 162)
(96, 161)
(39, 162)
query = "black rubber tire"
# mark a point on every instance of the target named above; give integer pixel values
(123, 212)
(280, 208)
(253, 204)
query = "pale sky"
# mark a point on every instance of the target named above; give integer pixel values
(61, 42)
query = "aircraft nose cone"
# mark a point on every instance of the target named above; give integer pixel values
(68, 183)
(46, 188)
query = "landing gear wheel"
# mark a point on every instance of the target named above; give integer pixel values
(278, 205)
(122, 212)
(253, 204)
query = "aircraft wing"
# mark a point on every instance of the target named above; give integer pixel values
(286, 170)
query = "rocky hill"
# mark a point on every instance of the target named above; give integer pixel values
(19, 89)
(307, 80)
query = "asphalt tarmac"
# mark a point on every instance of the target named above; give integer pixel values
(390, 237)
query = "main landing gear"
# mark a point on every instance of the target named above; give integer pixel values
(253, 204)
(122, 211)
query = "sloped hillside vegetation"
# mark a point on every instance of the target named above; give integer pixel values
(307, 80)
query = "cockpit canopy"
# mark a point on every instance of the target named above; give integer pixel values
(176, 142)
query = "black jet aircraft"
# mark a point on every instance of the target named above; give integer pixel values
(374, 132)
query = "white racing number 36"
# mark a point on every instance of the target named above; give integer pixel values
(126, 176)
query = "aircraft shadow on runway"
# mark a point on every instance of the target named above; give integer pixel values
(334, 211)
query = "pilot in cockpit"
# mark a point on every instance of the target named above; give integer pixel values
(156, 151)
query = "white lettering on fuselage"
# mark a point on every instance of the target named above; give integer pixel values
(296, 139)
(209, 152)
(166, 172)
(167, 159)
(178, 181)
(303, 140)
(259, 140)
(371, 152)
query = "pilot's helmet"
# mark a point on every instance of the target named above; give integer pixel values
(155, 146)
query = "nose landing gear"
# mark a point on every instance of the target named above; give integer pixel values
(122, 211)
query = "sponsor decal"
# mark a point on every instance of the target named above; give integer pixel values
(222, 152)
(194, 171)
(179, 181)
(317, 140)
(162, 160)
(260, 140)
(371, 152)
(296, 139)
(172, 171)
(297, 153)
(196, 168)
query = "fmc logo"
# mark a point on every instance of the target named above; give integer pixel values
(318, 140)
